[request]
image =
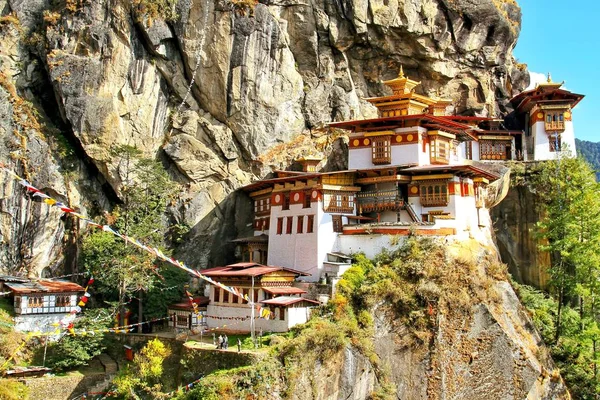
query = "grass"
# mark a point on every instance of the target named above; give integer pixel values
(246, 339)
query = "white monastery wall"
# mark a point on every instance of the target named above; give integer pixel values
(404, 154)
(326, 243)
(360, 158)
(37, 322)
(541, 145)
(295, 250)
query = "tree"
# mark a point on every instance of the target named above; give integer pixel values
(77, 350)
(571, 231)
(121, 268)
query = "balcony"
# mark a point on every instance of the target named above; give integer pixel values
(555, 126)
(380, 200)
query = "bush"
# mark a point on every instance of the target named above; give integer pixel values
(13, 390)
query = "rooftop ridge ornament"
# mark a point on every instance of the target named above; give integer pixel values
(401, 72)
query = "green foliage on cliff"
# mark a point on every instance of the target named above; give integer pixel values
(590, 151)
(406, 287)
(570, 231)
(576, 354)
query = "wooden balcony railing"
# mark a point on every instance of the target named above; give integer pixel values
(555, 126)
(380, 200)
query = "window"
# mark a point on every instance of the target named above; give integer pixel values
(286, 201)
(63, 301)
(469, 150)
(555, 121)
(381, 150)
(434, 194)
(35, 301)
(300, 224)
(282, 314)
(555, 143)
(337, 223)
(226, 296)
(494, 150)
(262, 206)
(256, 299)
(182, 320)
(279, 225)
(338, 202)
(217, 295)
(245, 292)
(307, 199)
(439, 150)
(310, 222)
(288, 227)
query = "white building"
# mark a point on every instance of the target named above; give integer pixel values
(39, 304)
(185, 316)
(267, 287)
(546, 114)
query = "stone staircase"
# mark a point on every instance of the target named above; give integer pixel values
(111, 368)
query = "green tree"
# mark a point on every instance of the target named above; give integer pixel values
(122, 270)
(77, 350)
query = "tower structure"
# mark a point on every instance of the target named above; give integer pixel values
(546, 115)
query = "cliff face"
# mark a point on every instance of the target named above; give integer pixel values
(218, 94)
(514, 224)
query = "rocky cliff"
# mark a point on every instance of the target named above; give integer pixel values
(221, 91)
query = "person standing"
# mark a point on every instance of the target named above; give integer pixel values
(220, 345)
(225, 342)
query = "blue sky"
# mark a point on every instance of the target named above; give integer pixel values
(563, 38)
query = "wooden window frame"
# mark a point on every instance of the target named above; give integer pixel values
(35, 302)
(381, 150)
(307, 203)
(310, 224)
(280, 225)
(63, 301)
(300, 224)
(494, 149)
(434, 194)
(288, 225)
(285, 205)
(338, 201)
(554, 121)
(552, 143)
(337, 223)
(217, 294)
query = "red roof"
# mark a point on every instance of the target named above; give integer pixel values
(43, 286)
(524, 101)
(287, 301)
(284, 290)
(247, 269)
(185, 304)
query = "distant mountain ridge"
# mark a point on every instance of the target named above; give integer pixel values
(591, 152)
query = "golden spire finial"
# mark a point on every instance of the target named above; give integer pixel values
(549, 78)
(401, 73)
